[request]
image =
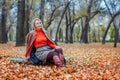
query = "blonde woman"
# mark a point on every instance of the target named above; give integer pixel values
(40, 48)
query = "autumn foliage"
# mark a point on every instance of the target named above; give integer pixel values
(86, 62)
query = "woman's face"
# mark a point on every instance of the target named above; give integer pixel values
(38, 24)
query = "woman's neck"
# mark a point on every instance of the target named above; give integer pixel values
(38, 30)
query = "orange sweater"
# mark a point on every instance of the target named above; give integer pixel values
(42, 40)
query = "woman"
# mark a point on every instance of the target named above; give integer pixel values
(40, 48)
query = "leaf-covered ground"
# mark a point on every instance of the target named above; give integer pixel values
(87, 62)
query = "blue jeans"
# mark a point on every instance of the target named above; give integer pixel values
(34, 59)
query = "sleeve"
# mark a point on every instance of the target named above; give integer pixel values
(27, 38)
(29, 51)
(50, 41)
(51, 44)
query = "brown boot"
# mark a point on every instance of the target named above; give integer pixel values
(62, 59)
(57, 61)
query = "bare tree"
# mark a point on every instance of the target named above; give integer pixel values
(53, 12)
(113, 16)
(56, 38)
(51, 18)
(71, 20)
(84, 36)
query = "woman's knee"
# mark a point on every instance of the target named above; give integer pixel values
(59, 50)
(51, 54)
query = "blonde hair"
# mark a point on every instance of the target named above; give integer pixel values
(33, 23)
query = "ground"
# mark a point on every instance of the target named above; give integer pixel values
(92, 61)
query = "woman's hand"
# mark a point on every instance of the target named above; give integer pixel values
(57, 47)
(26, 59)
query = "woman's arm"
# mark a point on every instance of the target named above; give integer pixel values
(51, 44)
(28, 47)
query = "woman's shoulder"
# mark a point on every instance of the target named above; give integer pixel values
(45, 31)
(32, 32)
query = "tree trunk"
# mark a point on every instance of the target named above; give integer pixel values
(27, 15)
(66, 34)
(20, 37)
(71, 34)
(42, 4)
(116, 36)
(60, 35)
(68, 24)
(84, 35)
(72, 24)
(3, 35)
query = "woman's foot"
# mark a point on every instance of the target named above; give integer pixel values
(57, 61)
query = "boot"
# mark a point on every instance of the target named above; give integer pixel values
(57, 61)
(62, 59)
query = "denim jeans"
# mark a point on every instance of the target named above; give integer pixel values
(34, 59)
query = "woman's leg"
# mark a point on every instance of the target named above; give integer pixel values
(60, 52)
(56, 59)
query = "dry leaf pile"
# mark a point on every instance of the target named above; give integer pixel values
(86, 62)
